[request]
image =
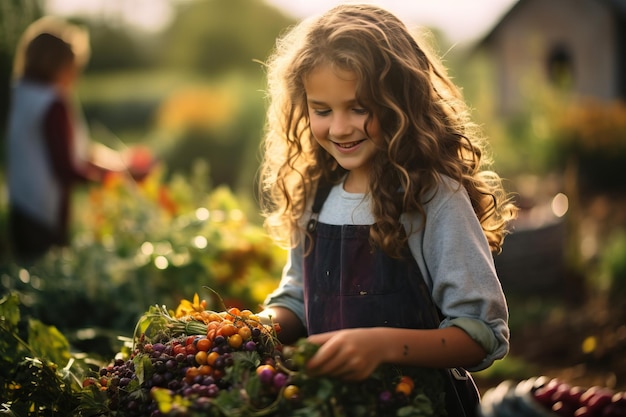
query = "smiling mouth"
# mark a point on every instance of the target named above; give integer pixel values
(349, 145)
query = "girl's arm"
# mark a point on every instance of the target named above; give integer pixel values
(353, 354)
(59, 137)
(291, 327)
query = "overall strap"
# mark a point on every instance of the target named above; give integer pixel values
(323, 189)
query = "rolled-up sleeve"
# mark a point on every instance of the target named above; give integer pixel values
(459, 268)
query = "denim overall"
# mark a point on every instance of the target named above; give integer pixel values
(350, 284)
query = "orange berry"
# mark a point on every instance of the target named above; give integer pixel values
(408, 380)
(214, 317)
(191, 373)
(228, 329)
(234, 311)
(245, 333)
(205, 370)
(211, 333)
(404, 388)
(210, 360)
(201, 357)
(235, 341)
(261, 368)
(291, 392)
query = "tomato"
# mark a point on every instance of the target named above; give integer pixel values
(89, 381)
(276, 327)
(179, 349)
(291, 392)
(189, 340)
(203, 344)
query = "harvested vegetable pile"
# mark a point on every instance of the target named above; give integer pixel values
(198, 362)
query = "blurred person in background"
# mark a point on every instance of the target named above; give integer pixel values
(48, 144)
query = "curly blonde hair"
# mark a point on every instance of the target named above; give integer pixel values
(425, 125)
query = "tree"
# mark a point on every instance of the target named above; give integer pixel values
(215, 36)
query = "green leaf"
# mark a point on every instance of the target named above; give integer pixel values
(10, 310)
(48, 342)
(143, 367)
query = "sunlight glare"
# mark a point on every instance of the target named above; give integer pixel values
(24, 276)
(236, 215)
(161, 262)
(150, 15)
(560, 205)
(202, 214)
(147, 248)
(200, 242)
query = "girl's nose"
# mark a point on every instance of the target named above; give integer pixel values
(340, 126)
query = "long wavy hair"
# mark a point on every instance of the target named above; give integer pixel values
(425, 126)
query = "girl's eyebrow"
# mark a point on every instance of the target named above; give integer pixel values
(321, 103)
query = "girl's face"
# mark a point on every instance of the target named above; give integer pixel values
(338, 123)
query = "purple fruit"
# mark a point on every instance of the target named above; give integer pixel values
(280, 379)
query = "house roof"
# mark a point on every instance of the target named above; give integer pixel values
(619, 6)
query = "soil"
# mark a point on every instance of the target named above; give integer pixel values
(586, 349)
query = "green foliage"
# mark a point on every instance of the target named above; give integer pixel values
(185, 120)
(612, 267)
(593, 133)
(510, 367)
(218, 123)
(117, 47)
(31, 382)
(138, 244)
(214, 36)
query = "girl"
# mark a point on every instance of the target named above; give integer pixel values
(374, 176)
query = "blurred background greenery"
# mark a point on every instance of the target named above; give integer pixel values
(192, 93)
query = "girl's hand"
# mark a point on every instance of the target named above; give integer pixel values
(350, 354)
